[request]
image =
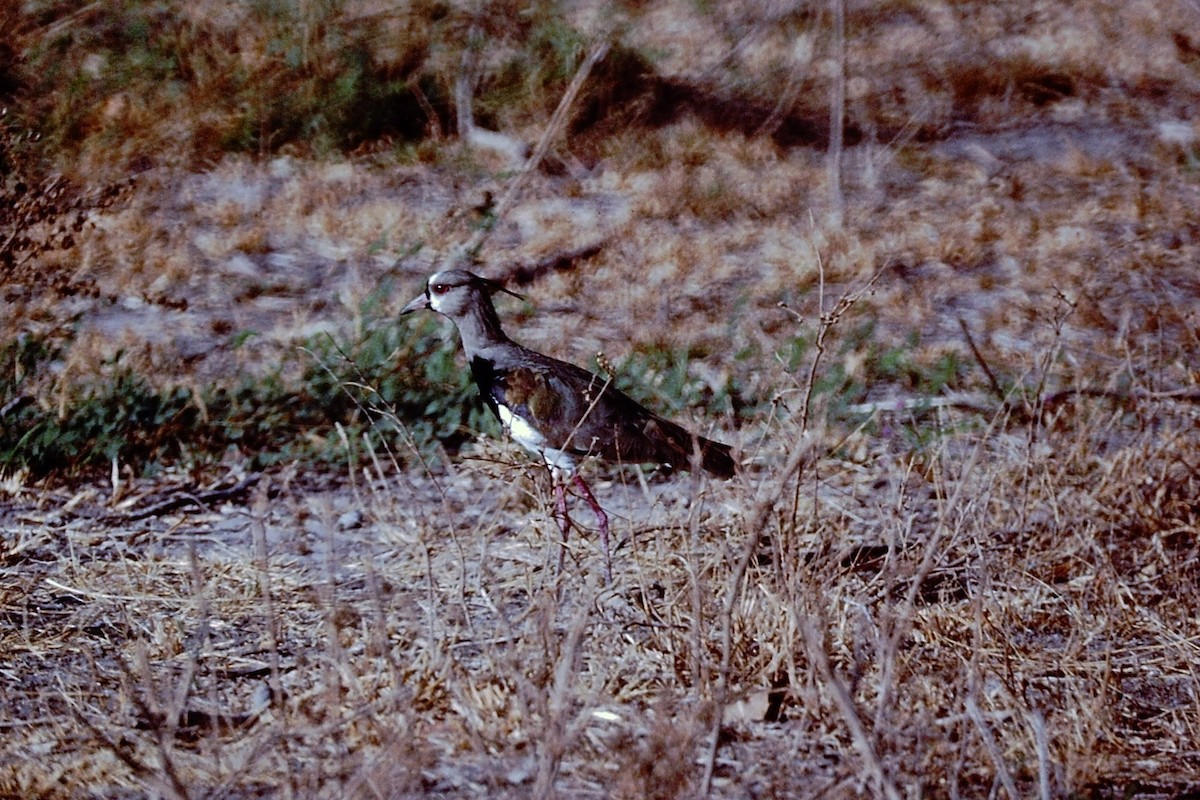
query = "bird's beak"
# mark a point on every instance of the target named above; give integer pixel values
(416, 304)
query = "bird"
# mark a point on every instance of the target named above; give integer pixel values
(559, 412)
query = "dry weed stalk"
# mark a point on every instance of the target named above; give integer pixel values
(837, 116)
(804, 452)
(562, 723)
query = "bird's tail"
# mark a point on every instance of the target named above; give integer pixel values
(716, 457)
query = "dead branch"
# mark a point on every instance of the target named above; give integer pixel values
(983, 364)
(526, 273)
(181, 499)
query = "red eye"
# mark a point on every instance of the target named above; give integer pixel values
(439, 288)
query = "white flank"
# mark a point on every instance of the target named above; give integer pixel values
(521, 431)
(525, 435)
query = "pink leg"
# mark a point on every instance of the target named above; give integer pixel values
(564, 522)
(601, 518)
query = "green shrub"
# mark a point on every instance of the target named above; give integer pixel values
(397, 375)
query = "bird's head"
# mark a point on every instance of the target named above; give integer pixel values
(452, 292)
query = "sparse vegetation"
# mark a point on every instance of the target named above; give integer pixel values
(394, 373)
(961, 560)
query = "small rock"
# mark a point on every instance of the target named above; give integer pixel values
(350, 520)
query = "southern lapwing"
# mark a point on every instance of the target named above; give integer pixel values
(556, 410)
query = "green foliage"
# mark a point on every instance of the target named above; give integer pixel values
(396, 375)
(857, 367)
(398, 382)
(794, 352)
(264, 74)
(97, 424)
(398, 372)
(542, 53)
(663, 378)
(854, 368)
(336, 96)
(899, 365)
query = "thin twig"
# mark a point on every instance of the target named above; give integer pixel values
(202, 500)
(933, 549)
(260, 514)
(837, 115)
(821, 328)
(469, 248)
(559, 735)
(800, 454)
(1038, 723)
(989, 743)
(983, 364)
(845, 703)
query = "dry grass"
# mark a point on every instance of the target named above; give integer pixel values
(1009, 601)
(992, 590)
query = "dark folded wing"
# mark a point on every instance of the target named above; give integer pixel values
(599, 419)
